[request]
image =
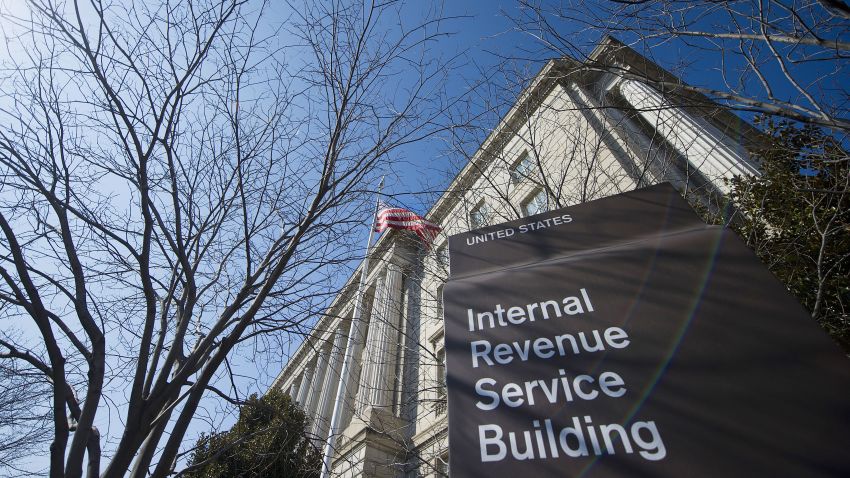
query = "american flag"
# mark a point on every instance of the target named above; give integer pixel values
(399, 218)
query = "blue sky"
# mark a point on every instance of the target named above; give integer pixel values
(486, 38)
(479, 39)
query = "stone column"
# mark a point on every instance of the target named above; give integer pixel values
(330, 384)
(306, 377)
(703, 145)
(293, 390)
(372, 332)
(355, 378)
(312, 399)
(378, 377)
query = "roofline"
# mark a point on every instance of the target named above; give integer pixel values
(440, 208)
(549, 75)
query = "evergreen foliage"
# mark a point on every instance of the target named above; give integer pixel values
(796, 217)
(268, 440)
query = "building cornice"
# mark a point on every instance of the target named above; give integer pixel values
(610, 51)
(560, 71)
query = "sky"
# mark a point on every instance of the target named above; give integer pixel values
(480, 38)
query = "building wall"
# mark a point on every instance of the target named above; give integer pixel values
(587, 135)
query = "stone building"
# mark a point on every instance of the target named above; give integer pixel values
(581, 130)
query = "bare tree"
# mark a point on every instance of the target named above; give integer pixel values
(775, 57)
(173, 190)
(23, 418)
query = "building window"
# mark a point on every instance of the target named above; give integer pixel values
(442, 254)
(522, 167)
(440, 404)
(441, 398)
(480, 215)
(537, 203)
(441, 466)
(440, 302)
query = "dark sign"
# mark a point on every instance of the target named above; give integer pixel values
(624, 337)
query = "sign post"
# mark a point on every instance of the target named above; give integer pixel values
(624, 337)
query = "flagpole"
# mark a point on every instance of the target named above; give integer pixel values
(354, 333)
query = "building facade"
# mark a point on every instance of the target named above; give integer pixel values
(579, 131)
